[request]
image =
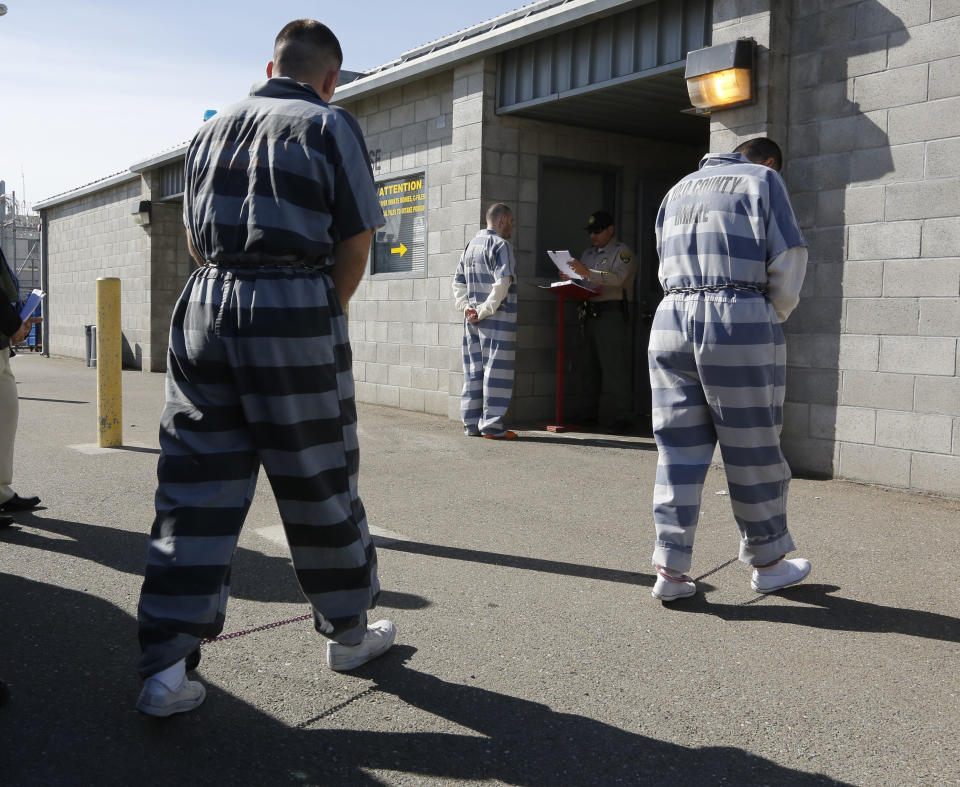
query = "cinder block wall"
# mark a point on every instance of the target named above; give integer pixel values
(402, 328)
(874, 166)
(91, 237)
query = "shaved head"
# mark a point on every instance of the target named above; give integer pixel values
(305, 50)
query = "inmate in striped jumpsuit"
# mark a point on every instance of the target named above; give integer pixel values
(732, 259)
(259, 371)
(489, 346)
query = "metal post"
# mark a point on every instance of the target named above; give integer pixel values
(109, 341)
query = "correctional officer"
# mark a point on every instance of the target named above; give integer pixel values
(612, 265)
(280, 206)
(485, 290)
(732, 260)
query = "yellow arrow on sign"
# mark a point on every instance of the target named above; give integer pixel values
(401, 249)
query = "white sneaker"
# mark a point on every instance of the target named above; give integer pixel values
(779, 575)
(376, 642)
(158, 700)
(670, 588)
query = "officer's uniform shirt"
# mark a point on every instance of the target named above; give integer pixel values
(613, 266)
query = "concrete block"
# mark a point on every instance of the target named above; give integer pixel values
(391, 311)
(956, 436)
(814, 386)
(805, 70)
(377, 373)
(925, 199)
(855, 132)
(921, 277)
(937, 395)
(401, 116)
(412, 399)
(940, 237)
(943, 157)
(944, 76)
(914, 431)
(923, 43)
(892, 88)
(424, 378)
(859, 353)
(439, 357)
(377, 331)
(413, 135)
(400, 376)
(810, 457)
(886, 466)
(828, 100)
(885, 164)
(411, 355)
(939, 317)
(876, 390)
(365, 392)
(921, 122)
(400, 289)
(815, 351)
(943, 9)
(425, 333)
(428, 108)
(364, 351)
(862, 279)
(849, 424)
(388, 353)
(935, 473)
(388, 396)
(897, 316)
(918, 355)
(893, 240)
(400, 332)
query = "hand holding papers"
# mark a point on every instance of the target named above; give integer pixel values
(562, 260)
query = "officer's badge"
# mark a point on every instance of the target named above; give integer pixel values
(625, 257)
(591, 220)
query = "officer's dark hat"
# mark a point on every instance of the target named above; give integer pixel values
(598, 221)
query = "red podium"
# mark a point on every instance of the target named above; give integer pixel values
(567, 291)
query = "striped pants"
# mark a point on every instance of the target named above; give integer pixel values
(717, 373)
(259, 371)
(489, 349)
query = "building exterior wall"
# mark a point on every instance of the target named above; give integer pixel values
(95, 236)
(91, 237)
(872, 140)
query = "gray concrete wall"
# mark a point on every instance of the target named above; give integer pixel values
(872, 143)
(90, 237)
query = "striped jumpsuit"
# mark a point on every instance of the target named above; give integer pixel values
(732, 260)
(259, 371)
(489, 346)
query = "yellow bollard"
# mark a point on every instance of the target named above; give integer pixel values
(109, 342)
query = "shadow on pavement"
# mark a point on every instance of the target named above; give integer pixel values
(254, 576)
(515, 561)
(593, 442)
(827, 611)
(68, 657)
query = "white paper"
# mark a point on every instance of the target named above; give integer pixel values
(561, 259)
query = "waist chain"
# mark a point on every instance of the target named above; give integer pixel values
(716, 288)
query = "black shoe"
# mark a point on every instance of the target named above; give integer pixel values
(5, 521)
(17, 503)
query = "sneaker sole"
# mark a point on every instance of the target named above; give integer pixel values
(685, 594)
(780, 587)
(360, 661)
(162, 711)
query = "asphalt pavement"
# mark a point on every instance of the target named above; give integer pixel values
(530, 651)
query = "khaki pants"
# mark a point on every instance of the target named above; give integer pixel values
(9, 412)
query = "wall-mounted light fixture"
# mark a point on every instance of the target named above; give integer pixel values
(140, 210)
(722, 76)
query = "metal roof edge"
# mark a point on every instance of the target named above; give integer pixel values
(491, 41)
(82, 191)
(160, 158)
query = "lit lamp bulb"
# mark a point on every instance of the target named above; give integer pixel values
(720, 89)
